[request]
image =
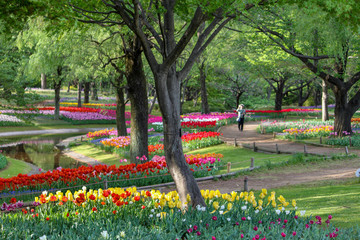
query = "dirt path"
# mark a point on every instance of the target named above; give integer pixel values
(340, 170)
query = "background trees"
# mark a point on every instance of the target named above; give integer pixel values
(268, 44)
(327, 49)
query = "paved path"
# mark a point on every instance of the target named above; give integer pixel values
(48, 131)
(267, 143)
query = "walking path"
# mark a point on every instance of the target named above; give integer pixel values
(267, 143)
(48, 131)
(322, 171)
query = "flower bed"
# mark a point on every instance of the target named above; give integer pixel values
(107, 133)
(301, 129)
(193, 141)
(117, 213)
(147, 173)
(7, 120)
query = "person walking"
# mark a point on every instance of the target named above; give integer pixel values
(241, 116)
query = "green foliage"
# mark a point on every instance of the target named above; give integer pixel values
(344, 141)
(3, 161)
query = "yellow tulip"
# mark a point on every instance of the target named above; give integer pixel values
(216, 205)
(264, 191)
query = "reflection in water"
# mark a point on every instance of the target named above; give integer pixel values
(40, 152)
(20, 153)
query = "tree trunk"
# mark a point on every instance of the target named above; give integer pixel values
(168, 91)
(238, 96)
(79, 94)
(57, 87)
(69, 85)
(324, 102)
(94, 95)
(139, 102)
(204, 100)
(86, 92)
(343, 113)
(278, 99)
(43, 81)
(120, 110)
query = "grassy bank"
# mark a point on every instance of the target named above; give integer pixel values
(14, 167)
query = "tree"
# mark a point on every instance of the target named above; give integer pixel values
(127, 62)
(51, 52)
(157, 19)
(335, 62)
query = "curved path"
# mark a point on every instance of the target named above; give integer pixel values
(326, 170)
(266, 142)
(340, 170)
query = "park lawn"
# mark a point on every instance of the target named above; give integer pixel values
(324, 199)
(240, 157)
(14, 167)
(98, 154)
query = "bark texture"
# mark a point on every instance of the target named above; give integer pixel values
(324, 102)
(94, 94)
(86, 92)
(57, 87)
(79, 94)
(120, 111)
(139, 102)
(43, 81)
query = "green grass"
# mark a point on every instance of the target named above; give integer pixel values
(339, 200)
(240, 157)
(14, 167)
(93, 152)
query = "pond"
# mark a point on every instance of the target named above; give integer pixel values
(39, 151)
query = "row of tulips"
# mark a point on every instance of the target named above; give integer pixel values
(301, 125)
(89, 104)
(304, 133)
(7, 120)
(65, 177)
(198, 124)
(190, 141)
(107, 133)
(289, 110)
(117, 213)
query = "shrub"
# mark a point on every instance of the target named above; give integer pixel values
(3, 161)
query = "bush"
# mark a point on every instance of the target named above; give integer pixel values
(3, 161)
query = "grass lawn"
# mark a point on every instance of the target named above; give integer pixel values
(93, 152)
(240, 157)
(342, 201)
(14, 167)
